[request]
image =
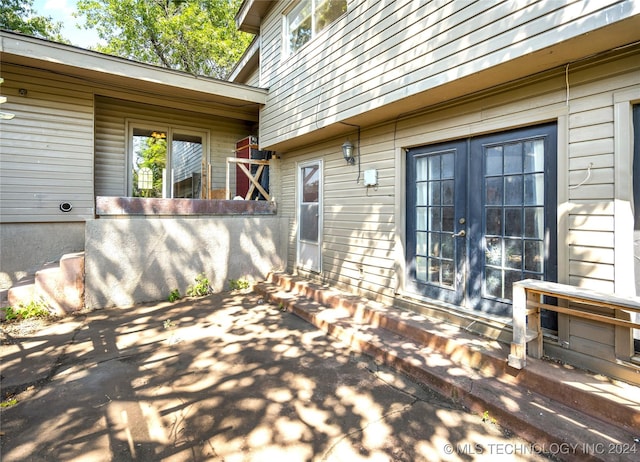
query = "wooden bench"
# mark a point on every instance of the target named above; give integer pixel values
(528, 301)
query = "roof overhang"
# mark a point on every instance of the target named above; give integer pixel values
(205, 94)
(250, 14)
(248, 64)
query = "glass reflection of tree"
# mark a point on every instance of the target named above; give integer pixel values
(152, 154)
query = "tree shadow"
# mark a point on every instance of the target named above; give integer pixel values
(229, 378)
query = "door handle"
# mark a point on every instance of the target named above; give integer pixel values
(461, 233)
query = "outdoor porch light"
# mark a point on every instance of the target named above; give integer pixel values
(347, 152)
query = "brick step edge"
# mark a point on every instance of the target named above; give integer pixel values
(616, 410)
(537, 419)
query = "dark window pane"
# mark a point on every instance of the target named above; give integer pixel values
(513, 158)
(186, 162)
(533, 256)
(493, 191)
(512, 221)
(534, 222)
(434, 270)
(494, 220)
(447, 165)
(493, 251)
(447, 219)
(448, 242)
(493, 283)
(434, 167)
(447, 192)
(435, 219)
(434, 244)
(434, 193)
(493, 161)
(537, 277)
(448, 273)
(509, 278)
(513, 190)
(534, 189)
(513, 253)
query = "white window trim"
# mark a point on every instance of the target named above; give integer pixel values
(286, 48)
(131, 124)
(624, 280)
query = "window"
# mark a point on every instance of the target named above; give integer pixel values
(308, 18)
(165, 162)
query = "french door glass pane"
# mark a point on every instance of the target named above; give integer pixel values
(533, 156)
(435, 244)
(493, 161)
(150, 154)
(186, 165)
(513, 215)
(513, 158)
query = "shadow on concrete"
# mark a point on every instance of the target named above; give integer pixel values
(228, 377)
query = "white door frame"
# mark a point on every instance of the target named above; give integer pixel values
(309, 252)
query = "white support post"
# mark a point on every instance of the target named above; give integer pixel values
(534, 334)
(518, 356)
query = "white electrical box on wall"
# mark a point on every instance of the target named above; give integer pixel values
(370, 177)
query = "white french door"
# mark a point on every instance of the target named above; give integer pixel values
(309, 211)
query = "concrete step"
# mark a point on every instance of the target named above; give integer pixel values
(60, 284)
(22, 292)
(585, 416)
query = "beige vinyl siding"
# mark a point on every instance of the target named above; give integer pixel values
(111, 139)
(254, 79)
(360, 223)
(382, 52)
(591, 143)
(46, 151)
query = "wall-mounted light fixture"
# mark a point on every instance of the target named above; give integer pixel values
(347, 152)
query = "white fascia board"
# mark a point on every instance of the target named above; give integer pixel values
(249, 56)
(44, 50)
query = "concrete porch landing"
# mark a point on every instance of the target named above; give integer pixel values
(572, 414)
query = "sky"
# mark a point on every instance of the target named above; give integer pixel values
(61, 10)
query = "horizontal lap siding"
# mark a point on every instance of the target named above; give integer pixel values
(590, 237)
(111, 139)
(360, 223)
(382, 52)
(46, 151)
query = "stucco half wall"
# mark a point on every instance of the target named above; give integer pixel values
(140, 259)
